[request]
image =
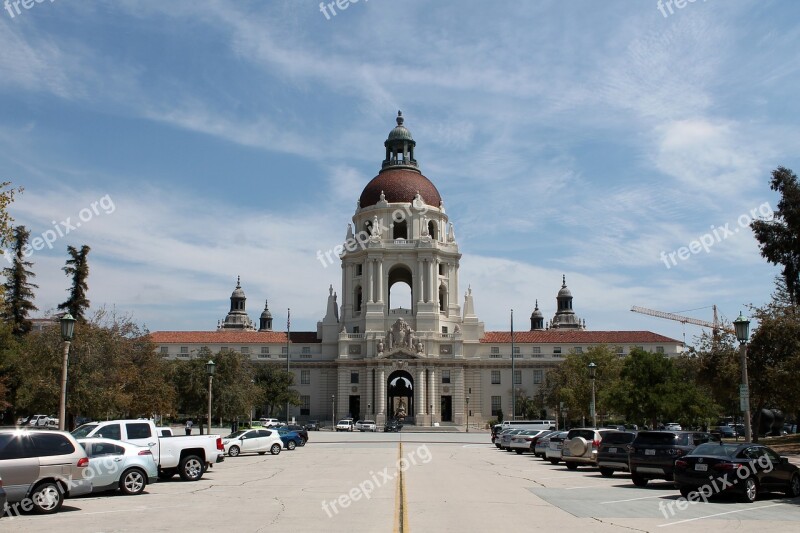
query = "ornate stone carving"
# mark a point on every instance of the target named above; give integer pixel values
(400, 335)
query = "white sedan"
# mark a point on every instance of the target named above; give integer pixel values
(115, 464)
(253, 441)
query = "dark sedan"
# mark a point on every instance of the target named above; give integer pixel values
(291, 439)
(747, 468)
(300, 430)
(392, 425)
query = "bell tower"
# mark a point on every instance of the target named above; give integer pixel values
(400, 242)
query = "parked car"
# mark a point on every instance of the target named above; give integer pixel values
(755, 469)
(553, 451)
(392, 426)
(258, 441)
(524, 441)
(673, 426)
(39, 421)
(505, 438)
(117, 465)
(357, 425)
(498, 438)
(368, 425)
(187, 455)
(581, 446)
(542, 442)
(612, 456)
(496, 429)
(345, 425)
(300, 430)
(291, 439)
(269, 422)
(312, 425)
(42, 468)
(653, 453)
(724, 432)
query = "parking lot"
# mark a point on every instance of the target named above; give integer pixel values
(405, 482)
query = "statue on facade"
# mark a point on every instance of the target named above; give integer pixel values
(420, 346)
(380, 346)
(401, 409)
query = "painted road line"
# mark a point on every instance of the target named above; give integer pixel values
(720, 514)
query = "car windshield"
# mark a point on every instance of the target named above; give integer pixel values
(716, 449)
(83, 431)
(650, 437)
(618, 437)
(344, 422)
(236, 435)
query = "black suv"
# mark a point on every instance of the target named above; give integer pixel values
(312, 425)
(392, 425)
(613, 452)
(653, 453)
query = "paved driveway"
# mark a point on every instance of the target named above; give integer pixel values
(420, 482)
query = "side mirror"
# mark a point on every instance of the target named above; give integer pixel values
(784, 460)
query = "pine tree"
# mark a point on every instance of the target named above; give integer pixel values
(779, 238)
(18, 291)
(77, 267)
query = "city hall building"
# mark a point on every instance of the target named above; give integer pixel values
(430, 363)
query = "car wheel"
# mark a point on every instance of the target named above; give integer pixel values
(166, 474)
(233, 451)
(291, 445)
(794, 487)
(572, 466)
(191, 468)
(132, 482)
(685, 491)
(275, 449)
(302, 442)
(606, 472)
(554, 461)
(519, 452)
(47, 498)
(750, 490)
(639, 481)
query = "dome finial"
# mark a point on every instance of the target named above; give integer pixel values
(563, 280)
(399, 118)
(238, 282)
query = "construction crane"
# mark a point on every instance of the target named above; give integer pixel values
(715, 325)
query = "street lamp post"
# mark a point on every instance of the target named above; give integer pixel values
(467, 414)
(67, 332)
(592, 371)
(742, 326)
(560, 411)
(333, 410)
(210, 367)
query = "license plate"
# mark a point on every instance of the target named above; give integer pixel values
(612, 450)
(649, 452)
(701, 468)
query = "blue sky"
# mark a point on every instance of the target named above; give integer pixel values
(233, 138)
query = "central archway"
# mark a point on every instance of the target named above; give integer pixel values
(400, 389)
(401, 295)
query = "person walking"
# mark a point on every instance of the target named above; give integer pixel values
(189, 425)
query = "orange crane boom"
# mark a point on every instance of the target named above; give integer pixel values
(716, 326)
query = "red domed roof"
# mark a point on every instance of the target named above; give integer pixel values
(400, 185)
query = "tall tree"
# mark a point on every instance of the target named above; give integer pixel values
(78, 267)
(18, 291)
(779, 238)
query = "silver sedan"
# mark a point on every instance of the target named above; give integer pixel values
(119, 465)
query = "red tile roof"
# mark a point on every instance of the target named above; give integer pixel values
(554, 336)
(400, 185)
(231, 337)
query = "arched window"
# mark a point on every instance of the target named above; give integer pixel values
(401, 230)
(432, 230)
(442, 298)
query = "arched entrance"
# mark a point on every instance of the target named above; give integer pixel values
(400, 390)
(402, 295)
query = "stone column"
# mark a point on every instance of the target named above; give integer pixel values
(435, 284)
(381, 399)
(370, 280)
(380, 281)
(421, 284)
(458, 397)
(419, 385)
(433, 399)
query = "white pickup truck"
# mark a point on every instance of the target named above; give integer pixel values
(188, 455)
